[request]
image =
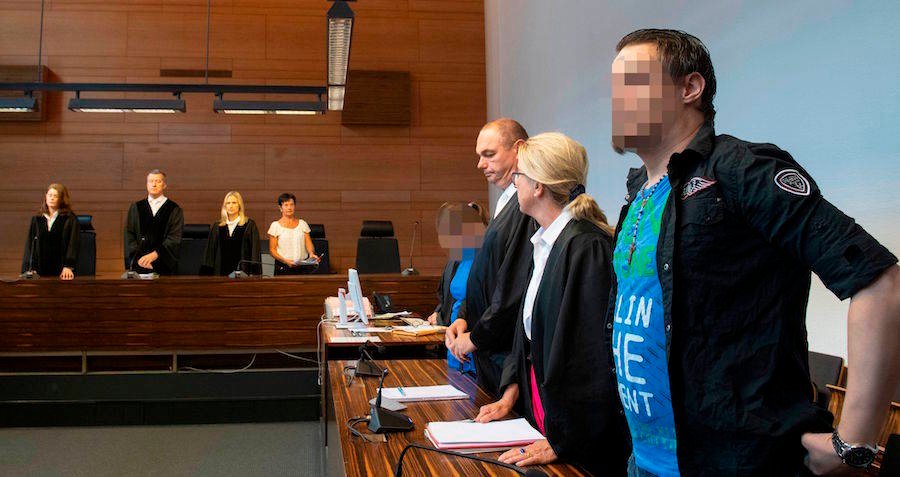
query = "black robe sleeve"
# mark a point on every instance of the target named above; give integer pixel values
(71, 241)
(27, 259)
(168, 251)
(571, 352)
(132, 232)
(211, 261)
(493, 330)
(250, 248)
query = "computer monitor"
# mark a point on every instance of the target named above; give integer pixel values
(356, 296)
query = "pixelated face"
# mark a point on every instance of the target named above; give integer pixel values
(287, 208)
(454, 234)
(52, 198)
(495, 160)
(645, 101)
(156, 184)
(232, 206)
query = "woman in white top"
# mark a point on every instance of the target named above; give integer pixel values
(289, 241)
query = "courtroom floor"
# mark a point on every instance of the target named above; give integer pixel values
(270, 449)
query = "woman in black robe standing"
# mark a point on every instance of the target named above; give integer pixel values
(559, 368)
(233, 241)
(51, 248)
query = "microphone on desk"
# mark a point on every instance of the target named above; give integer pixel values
(31, 273)
(383, 420)
(365, 365)
(411, 270)
(130, 274)
(527, 472)
(238, 273)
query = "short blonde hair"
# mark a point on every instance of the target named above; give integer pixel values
(241, 214)
(560, 163)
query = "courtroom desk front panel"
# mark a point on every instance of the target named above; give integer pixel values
(349, 455)
(182, 313)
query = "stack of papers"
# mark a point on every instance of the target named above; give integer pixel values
(472, 437)
(418, 330)
(424, 393)
(355, 339)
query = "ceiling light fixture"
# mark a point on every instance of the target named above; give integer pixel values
(340, 20)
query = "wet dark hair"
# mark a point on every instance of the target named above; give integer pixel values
(681, 54)
(286, 197)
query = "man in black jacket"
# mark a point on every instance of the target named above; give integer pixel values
(713, 254)
(499, 273)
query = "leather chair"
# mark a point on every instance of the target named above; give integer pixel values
(824, 369)
(194, 238)
(87, 251)
(377, 250)
(317, 234)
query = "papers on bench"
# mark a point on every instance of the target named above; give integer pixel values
(421, 330)
(424, 393)
(355, 339)
(474, 437)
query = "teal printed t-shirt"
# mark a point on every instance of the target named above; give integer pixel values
(639, 337)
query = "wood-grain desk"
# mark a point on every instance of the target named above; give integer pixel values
(396, 344)
(349, 455)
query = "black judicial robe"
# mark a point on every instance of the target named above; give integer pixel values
(145, 233)
(224, 252)
(495, 289)
(56, 248)
(444, 307)
(571, 352)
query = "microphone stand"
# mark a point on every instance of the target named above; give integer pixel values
(383, 420)
(411, 270)
(31, 273)
(527, 472)
(365, 365)
(239, 273)
(130, 274)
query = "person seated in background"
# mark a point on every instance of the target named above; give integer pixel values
(460, 229)
(561, 357)
(153, 230)
(53, 237)
(233, 241)
(289, 240)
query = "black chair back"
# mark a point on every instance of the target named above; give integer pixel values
(193, 247)
(377, 250)
(317, 234)
(87, 249)
(824, 369)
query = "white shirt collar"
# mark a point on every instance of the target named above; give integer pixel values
(549, 235)
(158, 200)
(504, 198)
(232, 224)
(51, 219)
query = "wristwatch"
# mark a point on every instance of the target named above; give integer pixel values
(854, 455)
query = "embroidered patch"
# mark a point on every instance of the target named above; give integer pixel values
(789, 180)
(696, 184)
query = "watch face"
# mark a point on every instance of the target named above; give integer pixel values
(859, 457)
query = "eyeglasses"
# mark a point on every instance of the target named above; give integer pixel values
(516, 175)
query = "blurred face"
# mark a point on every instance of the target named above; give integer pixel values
(287, 208)
(645, 101)
(495, 160)
(232, 207)
(52, 198)
(156, 184)
(455, 235)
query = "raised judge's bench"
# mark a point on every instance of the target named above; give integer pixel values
(106, 315)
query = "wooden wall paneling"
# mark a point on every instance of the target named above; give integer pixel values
(380, 98)
(89, 33)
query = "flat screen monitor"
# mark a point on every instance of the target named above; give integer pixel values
(356, 295)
